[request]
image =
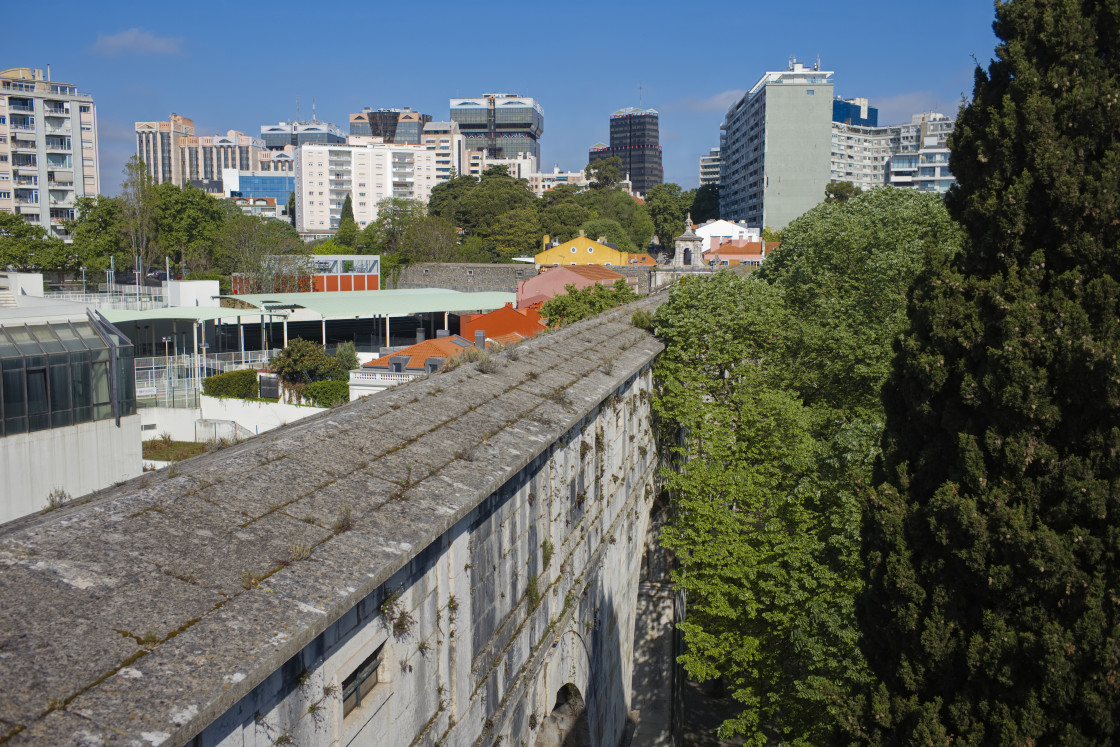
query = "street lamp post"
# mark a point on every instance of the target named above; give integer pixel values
(83, 279)
(167, 365)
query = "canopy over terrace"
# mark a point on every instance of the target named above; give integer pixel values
(375, 306)
(153, 330)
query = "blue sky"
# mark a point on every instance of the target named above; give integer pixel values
(239, 66)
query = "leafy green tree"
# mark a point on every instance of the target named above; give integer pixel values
(268, 252)
(559, 194)
(562, 220)
(840, 191)
(605, 228)
(97, 233)
(605, 173)
(516, 233)
(991, 614)
(576, 304)
(346, 357)
(617, 205)
(303, 362)
(667, 208)
(139, 203)
(772, 382)
(705, 203)
(25, 246)
(291, 209)
(186, 223)
(447, 197)
(430, 239)
(395, 215)
(497, 193)
(347, 232)
(769, 234)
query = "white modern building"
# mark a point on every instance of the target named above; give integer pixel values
(724, 231)
(920, 153)
(48, 148)
(366, 171)
(68, 422)
(775, 147)
(174, 153)
(709, 167)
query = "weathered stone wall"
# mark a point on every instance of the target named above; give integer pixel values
(484, 526)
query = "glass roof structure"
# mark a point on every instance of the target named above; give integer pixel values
(64, 373)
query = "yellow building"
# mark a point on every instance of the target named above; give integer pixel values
(582, 251)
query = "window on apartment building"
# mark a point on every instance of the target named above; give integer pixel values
(84, 109)
(5, 195)
(809, 92)
(3, 120)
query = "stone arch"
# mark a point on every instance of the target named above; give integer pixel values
(566, 725)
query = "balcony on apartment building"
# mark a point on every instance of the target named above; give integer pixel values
(22, 145)
(14, 106)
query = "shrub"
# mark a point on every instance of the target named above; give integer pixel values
(241, 384)
(642, 319)
(327, 393)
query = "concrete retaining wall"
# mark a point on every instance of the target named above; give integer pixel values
(78, 459)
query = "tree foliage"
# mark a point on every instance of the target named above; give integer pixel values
(26, 247)
(705, 203)
(347, 233)
(604, 173)
(576, 304)
(771, 382)
(668, 206)
(840, 191)
(991, 614)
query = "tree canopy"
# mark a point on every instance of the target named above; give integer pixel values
(576, 304)
(991, 614)
(768, 385)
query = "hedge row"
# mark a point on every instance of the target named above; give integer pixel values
(327, 393)
(241, 384)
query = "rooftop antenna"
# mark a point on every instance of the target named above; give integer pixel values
(639, 95)
(818, 67)
(314, 117)
(297, 108)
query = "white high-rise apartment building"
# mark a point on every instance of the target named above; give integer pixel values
(775, 147)
(48, 148)
(367, 171)
(920, 153)
(173, 153)
(709, 168)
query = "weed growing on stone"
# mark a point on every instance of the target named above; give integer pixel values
(533, 592)
(250, 580)
(345, 520)
(299, 550)
(173, 469)
(546, 553)
(57, 498)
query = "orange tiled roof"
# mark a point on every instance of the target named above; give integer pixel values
(440, 347)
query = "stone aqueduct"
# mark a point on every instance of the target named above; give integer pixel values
(454, 562)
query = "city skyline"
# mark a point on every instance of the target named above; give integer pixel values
(144, 66)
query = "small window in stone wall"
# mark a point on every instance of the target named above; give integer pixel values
(360, 682)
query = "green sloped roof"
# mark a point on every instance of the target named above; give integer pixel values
(381, 302)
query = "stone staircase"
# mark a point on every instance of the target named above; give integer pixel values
(7, 299)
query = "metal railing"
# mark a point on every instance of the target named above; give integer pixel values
(176, 380)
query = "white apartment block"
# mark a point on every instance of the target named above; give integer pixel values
(48, 148)
(173, 153)
(449, 145)
(157, 145)
(709, 168)
(860, 155)
(542, 181)
(367, 171)
(920, 153)
(775, 146)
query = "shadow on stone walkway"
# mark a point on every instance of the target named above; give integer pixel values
(703, 713)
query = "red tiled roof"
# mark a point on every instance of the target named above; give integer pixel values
(440, 347)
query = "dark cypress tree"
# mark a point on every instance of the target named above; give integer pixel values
(992, 545)
(347, 233)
